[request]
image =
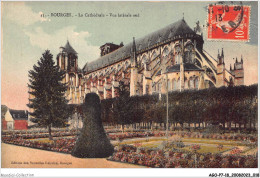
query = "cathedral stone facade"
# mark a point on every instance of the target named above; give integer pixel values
(171, 58)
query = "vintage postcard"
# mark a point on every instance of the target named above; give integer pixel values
(160, 84)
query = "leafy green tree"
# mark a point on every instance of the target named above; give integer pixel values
(49, 103)
(122, 107)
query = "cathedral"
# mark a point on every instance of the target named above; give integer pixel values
(171, 58)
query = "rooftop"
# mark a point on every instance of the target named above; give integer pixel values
(68, 48)
(179, 28)
(19, 114)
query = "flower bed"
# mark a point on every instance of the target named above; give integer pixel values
(38, 134)
(170, 159)
(114, 135)
(63, 145)
(147, 157)
(122, 136)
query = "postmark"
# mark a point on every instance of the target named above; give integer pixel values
(228, 22)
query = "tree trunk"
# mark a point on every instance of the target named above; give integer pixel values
(123, 127)
(49, 130)
(250, 125)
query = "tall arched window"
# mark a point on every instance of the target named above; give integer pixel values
(144, 62)
(169, 85)
(177, 53)
(145, 59)
(178, 84)
(174, 85)
(196, 81)
(72, 79)
(126, 65)
(154, 55)
(191, 83)
(186, 84)
(188, 53)
(159, 87)
(165, 52)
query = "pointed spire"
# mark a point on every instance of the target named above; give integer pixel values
(241, 59)
(133, 56)
(222, 53)
(69, 48)
(230, 67)
(134, 46)
(183, 16)
(218, 54)
(68, 40)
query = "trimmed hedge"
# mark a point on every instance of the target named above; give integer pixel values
(212, 106)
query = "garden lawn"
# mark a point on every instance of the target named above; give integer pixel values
(140, 140)
(204, 148)
(206, 145)
(153, 144)
(209, 148)
(211, 141)
(42, 140)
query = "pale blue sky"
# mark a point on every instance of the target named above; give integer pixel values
(26, 35)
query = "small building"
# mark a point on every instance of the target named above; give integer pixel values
(7, 119)
(14, 119)
(20, 118)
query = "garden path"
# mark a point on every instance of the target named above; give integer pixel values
(13, 155)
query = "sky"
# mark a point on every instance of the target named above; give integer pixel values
(26, 34)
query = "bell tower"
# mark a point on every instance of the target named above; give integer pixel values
(239, 72)
(67, 60)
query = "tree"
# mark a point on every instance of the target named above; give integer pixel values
(122, 107)
(49, 103)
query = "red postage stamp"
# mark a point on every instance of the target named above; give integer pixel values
(228, 22)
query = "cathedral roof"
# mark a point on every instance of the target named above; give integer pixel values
(149, 41)
(68, 48)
